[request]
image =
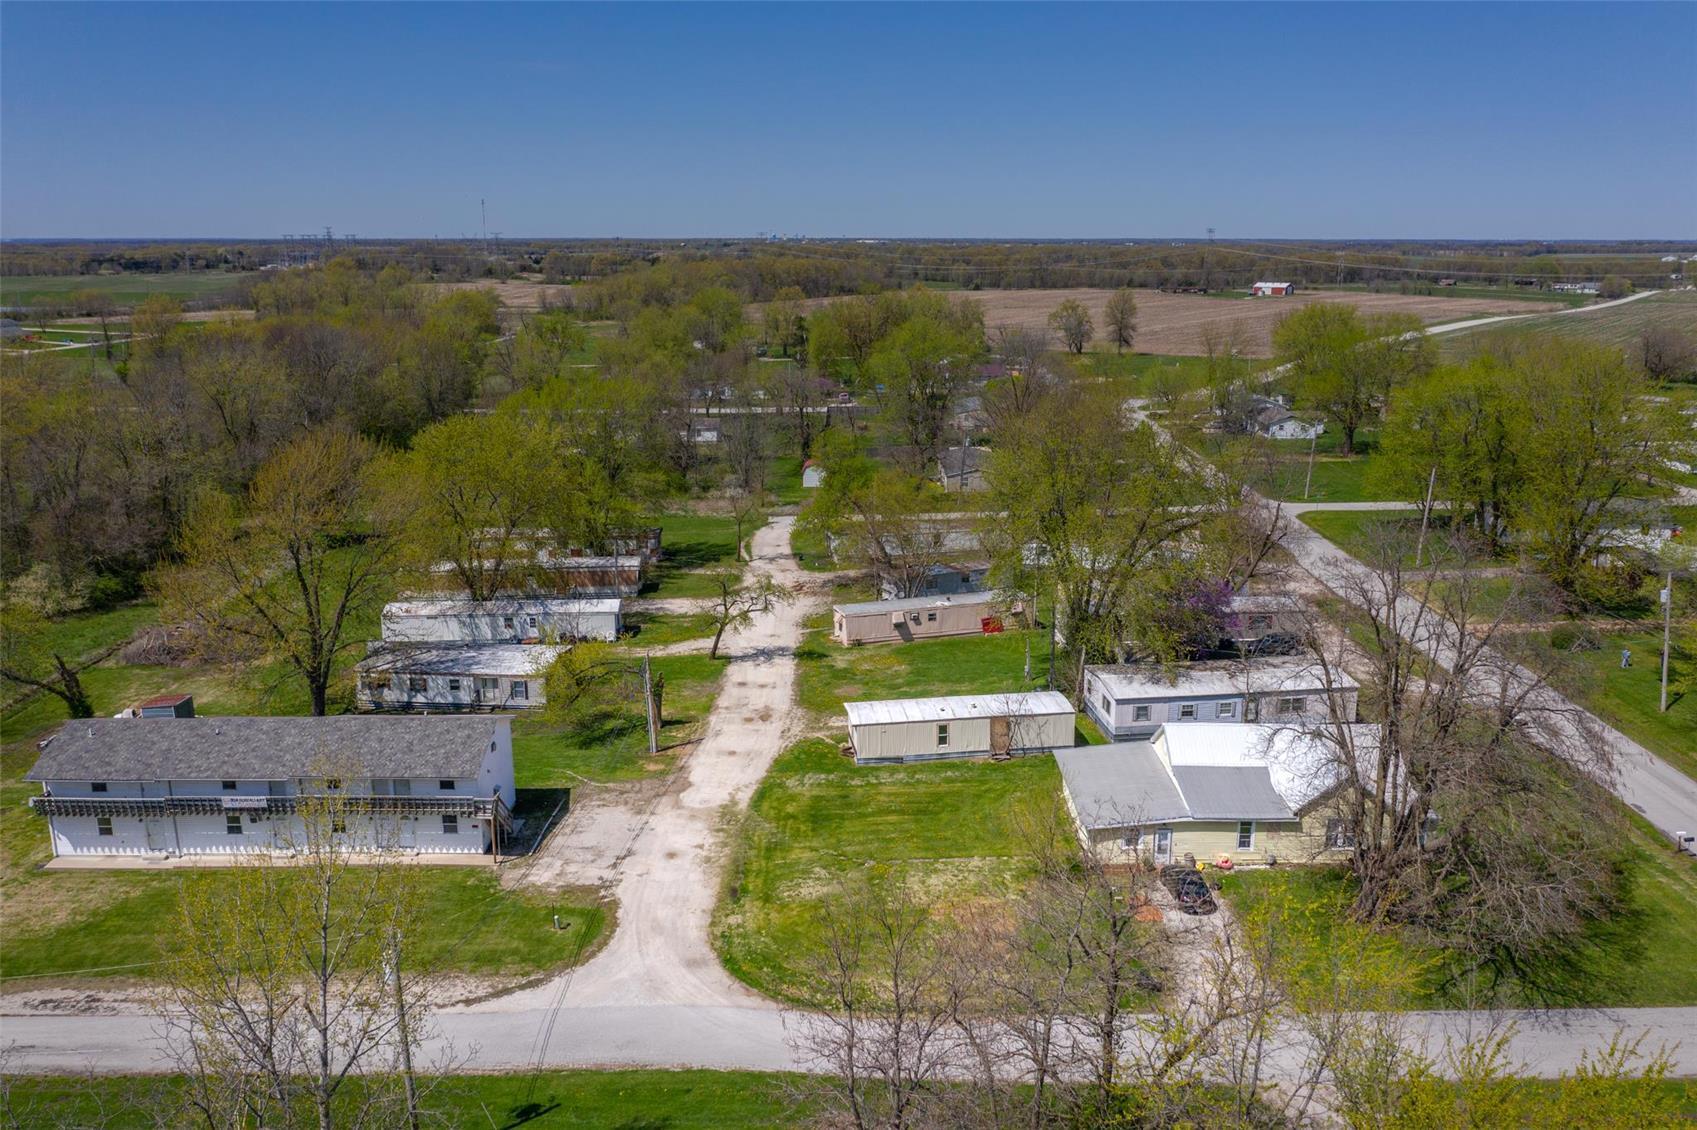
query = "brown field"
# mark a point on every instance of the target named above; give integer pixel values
(519, 294)
(1172, 323)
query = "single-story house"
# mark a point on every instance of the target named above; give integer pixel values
(1254, 616)
(474, 677)
(895, 731)
(1275, 421)
(918, 618)
(237, 786)
(940, 580)
(969, 415)
(962, 468)
(1249, 794)
(1132, 701)
(1272, 289)
(504, 620)
(812, 475)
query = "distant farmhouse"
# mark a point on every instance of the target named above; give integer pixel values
(197, 786)
(1272, 289)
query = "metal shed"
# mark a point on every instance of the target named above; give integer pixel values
(895, 731)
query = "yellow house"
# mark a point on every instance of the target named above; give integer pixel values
(1247, 794)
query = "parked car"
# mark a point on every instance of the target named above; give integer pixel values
(1190, 889)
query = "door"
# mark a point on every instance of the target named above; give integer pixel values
(1001, 734)
(156, 838)
(1164, 845)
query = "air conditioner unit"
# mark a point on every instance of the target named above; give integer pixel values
(1686, 842)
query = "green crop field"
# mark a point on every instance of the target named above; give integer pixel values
(125, 290)
(1615, 325)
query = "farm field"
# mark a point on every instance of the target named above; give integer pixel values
(1615, 325)
(125, 289)
(518, 294)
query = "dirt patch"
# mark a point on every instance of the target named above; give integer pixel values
(1172, 323)
(519, 294)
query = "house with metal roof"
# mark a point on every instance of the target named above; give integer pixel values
(1131, 701)
(1248, 794)
(917, 618)
(962, 468)
(427, 677)
(237, 786)
(503, 620)
(895, 731)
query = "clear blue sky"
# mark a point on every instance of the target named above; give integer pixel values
(1328, 120)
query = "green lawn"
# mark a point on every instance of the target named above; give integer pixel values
(1358, 532)
(811, 550)
(612, 745)
(690, 543)
(818, 818)
(547, 1100)
(829, 674)
(657, 629)
(784, 481)
(1644, 959)
(1139, 373)
(123, 289)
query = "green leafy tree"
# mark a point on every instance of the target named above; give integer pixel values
(1072, 323)
(923, 365)
(1346, 365)
(1121, 317)
(29, 659)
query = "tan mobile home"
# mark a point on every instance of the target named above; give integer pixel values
(919, 618)
(894, 731)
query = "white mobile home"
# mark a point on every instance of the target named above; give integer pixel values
(933, 729)
(490, 677)
(922, 617)
(1253, 616)
(1131, 702)
(239, 786)
(507, 620)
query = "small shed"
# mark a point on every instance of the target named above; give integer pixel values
(812, 475)
(163, 706)
(962, 468)
(508, 620)
(1272, 289)
(897, 731)
(491, 677)
(922, 617)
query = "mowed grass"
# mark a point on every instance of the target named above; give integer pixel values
(1139, 374)
(612, 744)
(124, 289)
(1620, 326)
(829, 674)
(546, 1100)
(692, 546)
(951, 829)
(1642, 959)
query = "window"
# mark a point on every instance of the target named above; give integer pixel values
(103, 825)
(1246, 835)
(930, 617)
(1129, 840)
(942, 735)
(1338, 834)
(450, 824)
(401, 786)
(487, 685)
(232, 823)
(1107, 705)
(521, 689)
(97, 786)
(1187, 712)
(227, 786)
(338, 825)
(1294, 704)
(1225, 710)
(445, 785)
(507, 623)
(1140, 714)
(453, 684)
(377, 682)
(531, 621)
(332, 783)
(417, 683)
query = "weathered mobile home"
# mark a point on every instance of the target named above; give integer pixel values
(922, 617)
(1131, 702)
(507, 620)
(1253, 616)
(239, 786)
(938, 580)
(1248, 794)
(489, 677)
(933, 729)
(553, 574)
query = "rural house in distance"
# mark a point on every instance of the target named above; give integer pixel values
(209, 786)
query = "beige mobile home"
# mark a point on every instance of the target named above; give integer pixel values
(894, 731)
(919, 618)
(1248, 794)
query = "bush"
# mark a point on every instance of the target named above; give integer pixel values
(1575, 637)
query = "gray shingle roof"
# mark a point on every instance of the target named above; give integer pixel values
(1231, 792)
(266, 749)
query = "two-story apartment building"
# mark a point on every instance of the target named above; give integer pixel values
(213, 786)
(1131, 702)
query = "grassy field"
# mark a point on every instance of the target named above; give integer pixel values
(124, 289)
(689, 544)
(817, 818)
(547, 1100)
(829, 674)
(612, 745)
(1643, 959)
(1617, 325)
(1357, 532)
(1139, 374)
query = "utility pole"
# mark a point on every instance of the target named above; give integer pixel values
(1313, 442)
(1667, 636)
(1425, 516)
(392, 974)
(648, 705)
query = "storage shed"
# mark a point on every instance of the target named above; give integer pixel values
(895, 731)
(509, 620)
(1272, 289)
(812, 475)
(490, 677)
(1133, 701)
(921, 617)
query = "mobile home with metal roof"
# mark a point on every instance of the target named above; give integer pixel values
(895, 731)
(918, 618)
(503, 620)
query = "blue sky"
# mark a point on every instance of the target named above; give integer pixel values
(1324, 120)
